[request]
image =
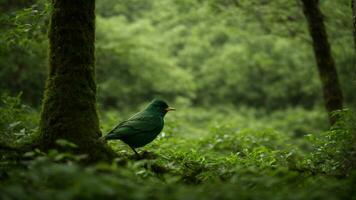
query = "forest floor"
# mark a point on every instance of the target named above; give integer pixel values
(201, 154)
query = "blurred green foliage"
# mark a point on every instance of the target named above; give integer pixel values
(23, 47)
(241, 53)
(18, 122)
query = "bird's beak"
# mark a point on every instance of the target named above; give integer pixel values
(170, 108)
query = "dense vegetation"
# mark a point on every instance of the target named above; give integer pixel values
(249, 124)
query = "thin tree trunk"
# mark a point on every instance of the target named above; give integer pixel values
(326, 65)
(69, 106)
(353, 7)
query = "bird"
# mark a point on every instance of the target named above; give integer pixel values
(141, 128)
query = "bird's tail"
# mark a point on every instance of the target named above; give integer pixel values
(107, 137)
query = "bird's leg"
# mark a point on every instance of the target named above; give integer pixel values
(138, 155)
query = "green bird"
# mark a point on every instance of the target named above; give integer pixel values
(143, 127)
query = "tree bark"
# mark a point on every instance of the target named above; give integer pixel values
(353, 7)
(332, 93)
(69, 105)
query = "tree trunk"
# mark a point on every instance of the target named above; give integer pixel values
(326, 66)
(353, 7)
(69, 106)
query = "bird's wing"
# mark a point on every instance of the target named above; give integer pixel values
(134, 125)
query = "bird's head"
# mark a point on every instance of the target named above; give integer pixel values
(159, 106)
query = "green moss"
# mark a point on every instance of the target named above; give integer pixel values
(69, 106)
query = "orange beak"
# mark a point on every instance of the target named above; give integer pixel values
(170, 108)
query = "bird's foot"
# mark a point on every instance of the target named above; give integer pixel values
(145, 155)
(148, 155)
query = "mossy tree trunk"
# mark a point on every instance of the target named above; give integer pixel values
(69, 106)
(326, 65)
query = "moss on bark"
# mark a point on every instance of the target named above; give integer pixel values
(326, 65)
(69, 107)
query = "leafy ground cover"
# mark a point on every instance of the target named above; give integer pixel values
(201, 154)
